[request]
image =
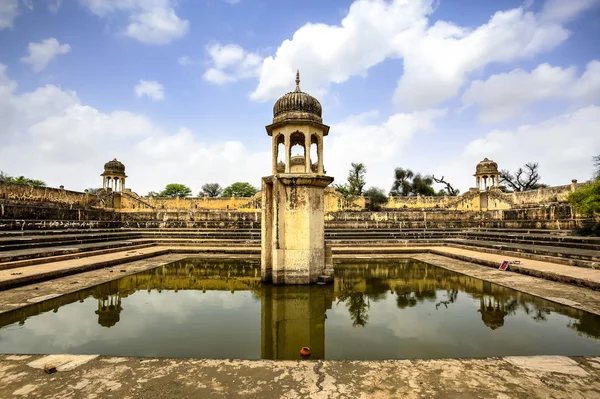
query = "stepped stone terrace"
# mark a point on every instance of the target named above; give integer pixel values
(56, 242)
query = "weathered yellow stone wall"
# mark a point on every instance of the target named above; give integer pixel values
(25, 192)
(131, 202)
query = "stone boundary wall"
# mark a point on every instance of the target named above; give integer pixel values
(25, 192)
(545, 195)
(50, 211)
(132, 202)
(418, 202)
(555, 217)
(467, 201)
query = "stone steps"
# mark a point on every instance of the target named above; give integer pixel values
(555, 251)
(54, 257)
(43, 252)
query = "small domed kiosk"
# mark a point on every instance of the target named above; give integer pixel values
(486, 174)
(114, 175)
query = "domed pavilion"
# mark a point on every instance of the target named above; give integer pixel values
(297, 121)
(114, 175)
(486, 174)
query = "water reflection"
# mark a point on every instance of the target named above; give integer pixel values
(293, 317)
(357, 311)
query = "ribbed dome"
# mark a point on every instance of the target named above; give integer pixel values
(297, 105)
(114, 166)
(487, 166)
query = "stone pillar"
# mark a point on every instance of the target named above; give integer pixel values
(293, 229)
(275, 150)
(307, 153)
(320, 155)
(573, 185)
(288, 150)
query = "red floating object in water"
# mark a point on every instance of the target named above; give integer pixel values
(305, 351)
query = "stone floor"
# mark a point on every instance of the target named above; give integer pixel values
(109, 377)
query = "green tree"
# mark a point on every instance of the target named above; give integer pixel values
(402, 182)
(376, 198)
(152, 194)
(407, 182)
(21, 180)
(345, 192)
(356, 178)
(422, 185)
(211, 190)
(586, 200)
(239, 189)
(174, 190)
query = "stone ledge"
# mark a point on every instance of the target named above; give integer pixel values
(514, 377)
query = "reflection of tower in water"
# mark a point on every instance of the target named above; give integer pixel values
(109, 310)
(492, 311)
(293, 317)
(495, 305)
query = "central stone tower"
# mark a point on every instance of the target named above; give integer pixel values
(293, 238)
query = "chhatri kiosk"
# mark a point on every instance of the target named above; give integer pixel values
(293, 238)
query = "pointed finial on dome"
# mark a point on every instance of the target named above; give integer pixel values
(297, 80)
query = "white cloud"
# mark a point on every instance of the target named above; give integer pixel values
(9, 9)
(157, 26)
(563, 146)
(561, 10)
(184, 60)
(54, 5)
(504, 95)
(437, 58)
(231, 63)
(150, 21)
(71, 141)
(150, 88)
(40, 54)
(378, 145)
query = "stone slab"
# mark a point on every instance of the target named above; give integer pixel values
(62, 362)
(106, 377)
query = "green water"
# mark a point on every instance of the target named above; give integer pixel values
(386, 310)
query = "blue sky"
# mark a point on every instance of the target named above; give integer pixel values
(180, 91)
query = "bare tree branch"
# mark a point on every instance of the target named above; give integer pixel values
(451, 190)
(523, 179)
